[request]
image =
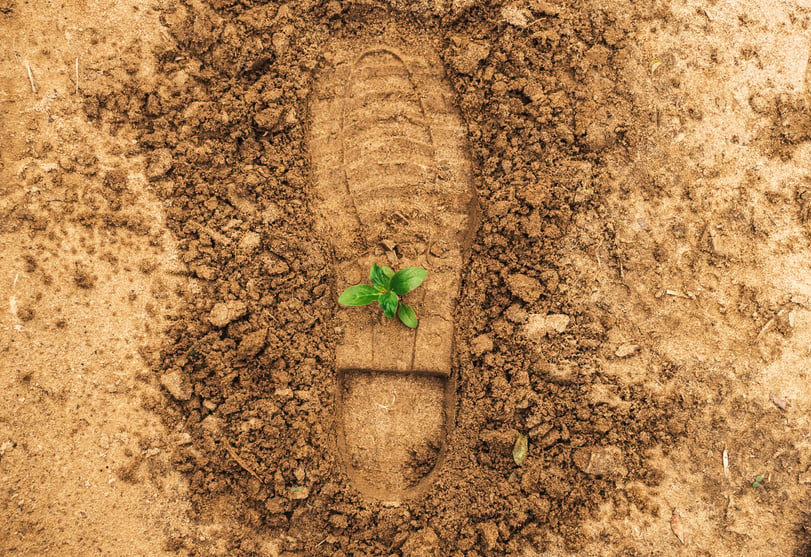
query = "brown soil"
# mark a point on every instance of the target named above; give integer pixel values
(635, 300)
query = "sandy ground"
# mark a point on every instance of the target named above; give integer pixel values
(692, 248)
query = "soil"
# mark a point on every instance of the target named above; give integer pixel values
(630, 289)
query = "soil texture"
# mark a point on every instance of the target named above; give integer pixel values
(612, 202)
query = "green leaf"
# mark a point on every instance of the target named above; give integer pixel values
(379, 277)
(520, 449)
(407, 316)
(388, 301)
(406, 280)
(359, 295)
(389, 272)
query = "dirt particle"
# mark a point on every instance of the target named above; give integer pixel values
(116, 181)
(280, 42)
(776, 400)
(553, 232)
(551, 279)
(524, 287)
(515, 16)
(299, 493)
(539, 326)
(600, 461)
(489, 535)
(250, 242)
(129, 472)
(550, 438)
(30, 263)
(252, 344)
(260, 17)
(269, 118)
(275, 266)
(160, 163)
(500, 441)
(148, 265)
(276, 505)
(224, 313)
(271, 213)
(177, 386)
(83, 277)
(535, 193)
(205, 272)
(424, 543)
(339, 521)
(516, 314)
(538, 506)
(534, 225)
(482, 344)
(468, 56)
(626, 350)
(25, 313)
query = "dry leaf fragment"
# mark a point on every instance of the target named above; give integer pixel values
(779, 402)
(725, 458)
(6, 446)
(520, 449)
(677, 526)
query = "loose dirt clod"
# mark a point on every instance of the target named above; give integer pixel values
(177, 385)
(224, 313)
(524, 287)
(539, 326)
(626, 350)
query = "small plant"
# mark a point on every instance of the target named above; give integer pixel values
(387, 287)
(758, 482)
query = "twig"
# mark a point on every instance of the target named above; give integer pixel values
(30, 76)
(241, 462)
(768, 325)
(387, 408)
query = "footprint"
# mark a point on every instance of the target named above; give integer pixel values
(392, 185)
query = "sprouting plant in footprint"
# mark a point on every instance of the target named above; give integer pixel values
(386, 288)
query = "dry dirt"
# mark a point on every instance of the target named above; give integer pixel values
(635, 298)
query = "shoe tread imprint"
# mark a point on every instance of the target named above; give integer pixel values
(390, 167)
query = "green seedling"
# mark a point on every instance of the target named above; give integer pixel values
(386, 288)
(758, 481)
